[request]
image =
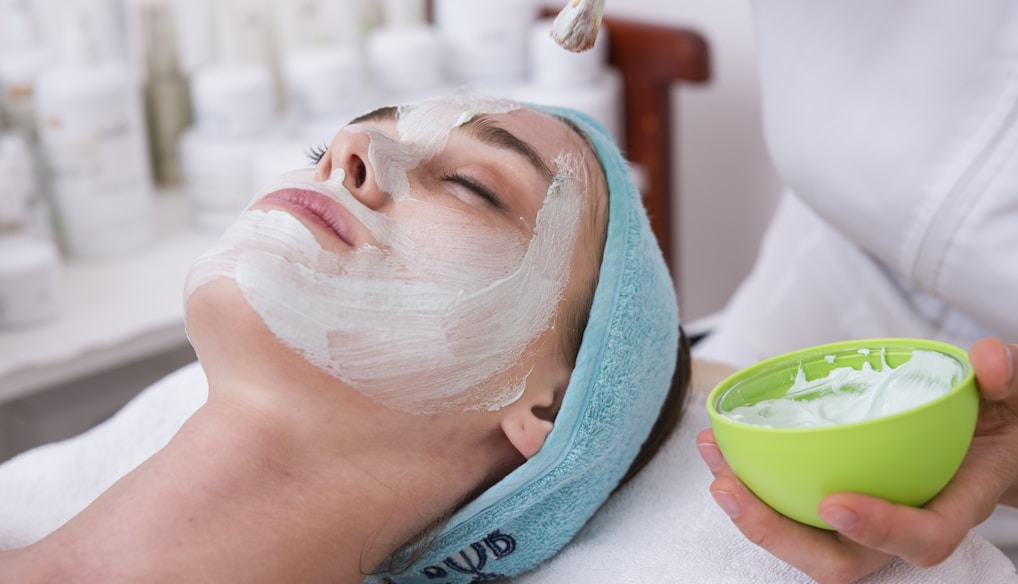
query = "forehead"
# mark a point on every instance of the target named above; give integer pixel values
(549, 135)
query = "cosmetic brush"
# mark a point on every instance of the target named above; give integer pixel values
(575, 28)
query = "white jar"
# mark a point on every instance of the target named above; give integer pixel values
(18, 188)
(406, 55)
(95, 154)
(217, 175)
(324, 83)
(22, 56)
(18, 72)
(23, 207)
(234, 112)
(486, 40)
(233, 100)
(308, 24)
(29, 274)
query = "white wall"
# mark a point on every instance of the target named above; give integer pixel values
(725, 184)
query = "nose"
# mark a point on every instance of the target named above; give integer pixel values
(349, 152)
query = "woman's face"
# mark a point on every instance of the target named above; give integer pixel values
(422, 256)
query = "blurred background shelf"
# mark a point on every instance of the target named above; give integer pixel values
(120, 327)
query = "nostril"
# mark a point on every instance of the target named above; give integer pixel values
(358, 171)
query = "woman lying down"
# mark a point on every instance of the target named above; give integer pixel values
(431, 357)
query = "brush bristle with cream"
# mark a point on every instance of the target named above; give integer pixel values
(576, 26)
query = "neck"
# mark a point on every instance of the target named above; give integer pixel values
(275, 484)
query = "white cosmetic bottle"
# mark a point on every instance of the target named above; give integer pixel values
(323, 68)
(29, 261)
(234, 108)
(324, 84)
(233, 101)
(92, 142)
(308, 24)
(406, 55)
(167, 105)
(486, 41)
(22, 56)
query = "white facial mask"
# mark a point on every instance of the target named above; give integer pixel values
(433, 319)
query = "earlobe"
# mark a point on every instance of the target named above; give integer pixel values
(525, 431)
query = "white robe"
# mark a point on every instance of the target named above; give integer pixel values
(895, 128)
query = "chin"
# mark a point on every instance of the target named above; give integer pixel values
(216, 317)
(232, 341)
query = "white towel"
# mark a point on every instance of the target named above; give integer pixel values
(42, 488)
(664, 527)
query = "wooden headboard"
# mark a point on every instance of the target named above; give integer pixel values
(651, 59)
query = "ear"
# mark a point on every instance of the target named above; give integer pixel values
(525, 431)
(528, 421)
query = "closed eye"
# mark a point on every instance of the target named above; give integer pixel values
(478, 189)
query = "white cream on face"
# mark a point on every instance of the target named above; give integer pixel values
(437, 316)
(848, 395)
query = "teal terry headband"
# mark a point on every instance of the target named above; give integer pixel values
(623, 373)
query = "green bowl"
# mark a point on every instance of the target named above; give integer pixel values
(906, 458)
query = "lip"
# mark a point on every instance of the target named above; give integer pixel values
(317, 208)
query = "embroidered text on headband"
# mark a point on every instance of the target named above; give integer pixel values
(622, 375)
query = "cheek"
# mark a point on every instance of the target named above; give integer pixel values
(435, 319)
(445, 246)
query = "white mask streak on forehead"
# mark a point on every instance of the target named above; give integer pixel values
(428, 123)
(423, 321)
(423, 129)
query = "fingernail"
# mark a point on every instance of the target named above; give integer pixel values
(839, 518)
(728, 503)
(711, 454)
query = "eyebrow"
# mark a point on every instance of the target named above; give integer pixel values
(487, 131)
